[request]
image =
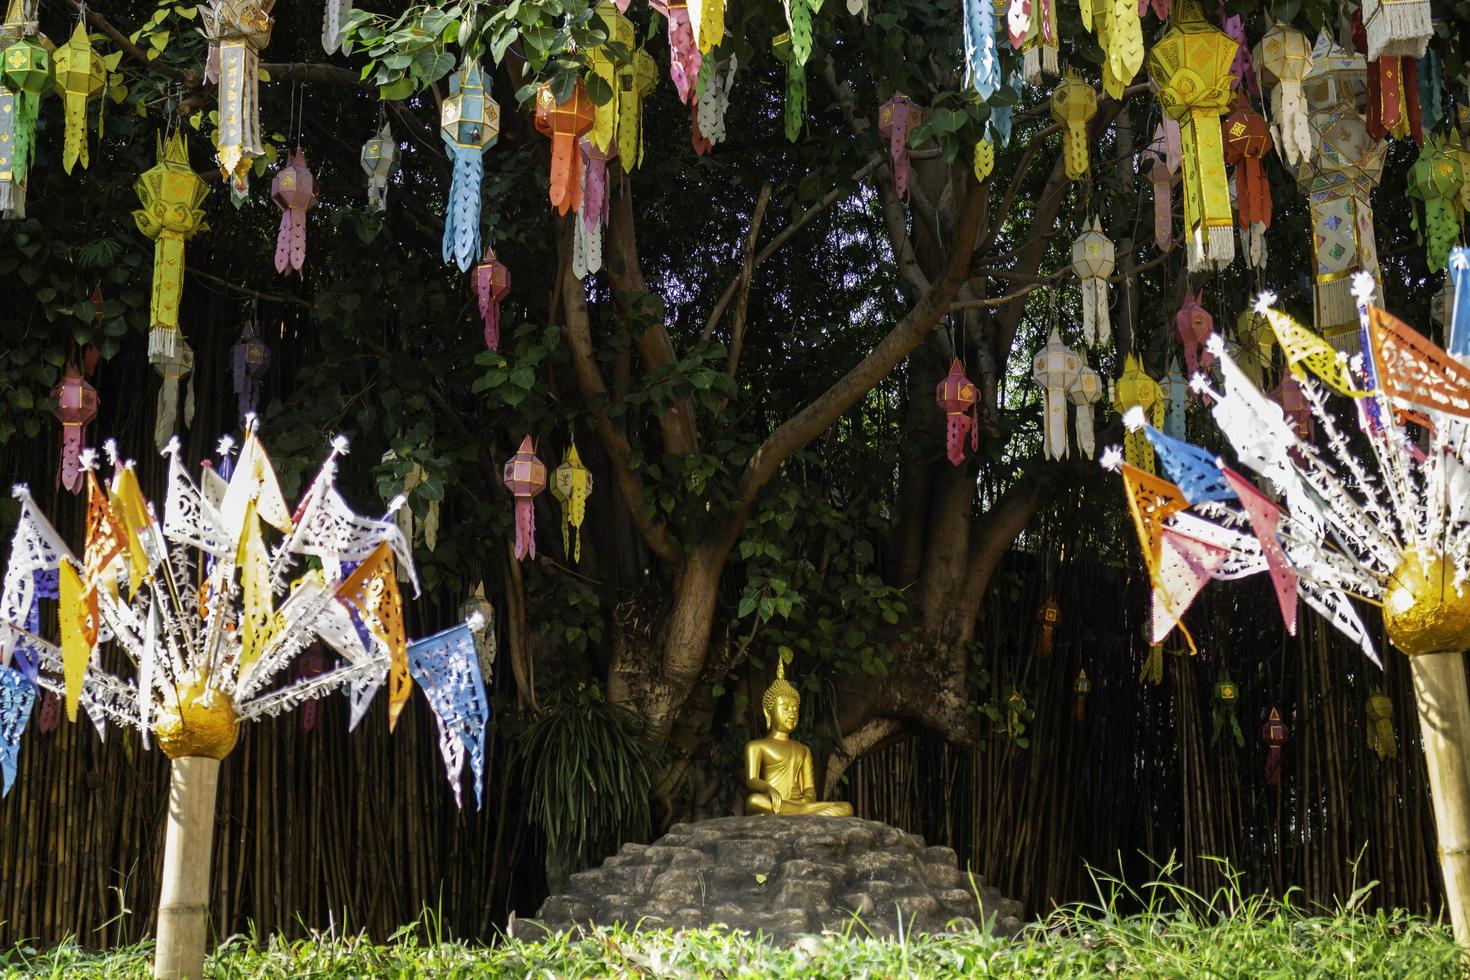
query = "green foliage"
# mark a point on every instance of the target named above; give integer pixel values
(1178, 934)
(587, 768)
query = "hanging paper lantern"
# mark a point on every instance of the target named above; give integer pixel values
(1222, 713)
(1257, 344)
(1397, 28)
(571, 485)
(1283, 57)
(1191, 67)
(76, 405)
(1156, 162)
(1047, 617)
(171, 195)
(1275, 733)
(564, 122)
(1081, 687)
(1393, 90)
(1380, 725)
(635, 81)
(525, 477)
(684, 51)
(1247, 138)
(334, 24)
(1055, 368)
(490, 283)
(294, 191)
(81, 76)
(604, 63)
(1176, 392)
(250, 358)
(895, 118)
(237, 31)
(1436, 179)
(1039, 45)
(1194, 326)
(1073, 103)
(981, 58)
(469, 123)
(379, 159)
(1338, 179)
(1294, 406)
(958, 396)
(1135, 389)
(1120, 35)
(1092, 261)
(595, 210)
(25, 75)
(1083, 393)
(1431, 89)
(173, 366)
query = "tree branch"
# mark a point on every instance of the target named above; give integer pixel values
(854, 746)
(747, 266)
(190, 78)
(909, 332)
(625, 275)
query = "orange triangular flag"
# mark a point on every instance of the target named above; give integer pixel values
(372, 589)
(1413, 369)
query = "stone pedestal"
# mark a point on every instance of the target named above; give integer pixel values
(782, 876)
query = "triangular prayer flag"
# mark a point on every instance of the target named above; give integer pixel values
(105, 540)
(255, 592)
(372, 589)
(131, 510)
(1186, 563)
(1303, 347)
(78, 634)
(1411, 368)
(1265, 516)
(1190, 467)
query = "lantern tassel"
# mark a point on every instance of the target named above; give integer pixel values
(291, 241)
(1289, 127)
(70, 472)
(566, 174)
(462, 222)
(684, 57)
(1086, 440)
(525, 528)
(1079, 708)
(1162, 180)
(1273, 765)
(167, 411)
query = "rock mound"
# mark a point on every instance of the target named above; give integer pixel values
(783, 876)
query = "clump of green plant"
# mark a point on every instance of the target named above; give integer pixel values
(587, 768)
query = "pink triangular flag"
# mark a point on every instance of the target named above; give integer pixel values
(1265, 516)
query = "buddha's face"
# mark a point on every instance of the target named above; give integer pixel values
(783, 715)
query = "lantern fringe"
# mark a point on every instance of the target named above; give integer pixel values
(1336, 306)
(163, 344)
(12, 200)
(1398, 29)
(525, 528)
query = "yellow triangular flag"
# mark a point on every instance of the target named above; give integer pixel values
(77, 634)
(372, 589)
(1303, 347)
(255, 588)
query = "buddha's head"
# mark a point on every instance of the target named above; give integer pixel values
(781, 703)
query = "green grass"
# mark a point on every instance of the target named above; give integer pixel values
(1178, 934)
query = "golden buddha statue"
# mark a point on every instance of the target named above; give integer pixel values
(778, 769)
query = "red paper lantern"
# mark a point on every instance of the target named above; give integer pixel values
(76, 405)
(1275, 733)
(1194, 324)
(525, 476)
(490, 283)
(957, 395)
(1247, 138)
(565, 122)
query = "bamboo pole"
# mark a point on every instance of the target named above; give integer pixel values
(1444, 722)
(183, 901)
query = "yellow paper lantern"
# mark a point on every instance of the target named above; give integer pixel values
(1135, 389)
(1191, 66)
(571, 485)
(1073, 103)
(80, 77)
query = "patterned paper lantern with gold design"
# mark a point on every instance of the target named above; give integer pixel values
(76, 405)
(25, 74)
(571, 485)
(1191, 66)
(1247, 138)
(1093, 256)
(1055, 368)
(469, 124)
(1345, 166)
(1084, 392)
(525, 477)
(958, 397)
(1073, 103)
(171, 194)
(80, 77)
(565, 122)
(379, 158)
(1436, 179)
(604, 63)
(1135, 388)
(636, 80)
(1283, 57)
(237, 31)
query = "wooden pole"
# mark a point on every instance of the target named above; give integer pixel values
(1444, 722)
(183, 902)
